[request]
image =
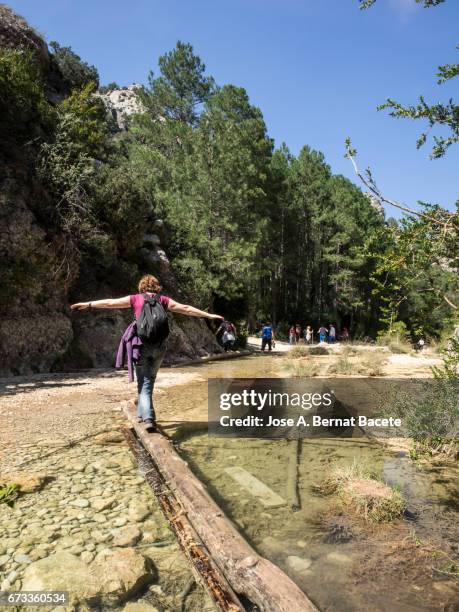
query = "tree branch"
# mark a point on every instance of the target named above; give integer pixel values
(449, 302)
(370, 184)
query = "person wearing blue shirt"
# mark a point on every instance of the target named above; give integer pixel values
(267, 336)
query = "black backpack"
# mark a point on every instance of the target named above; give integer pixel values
(153, 324)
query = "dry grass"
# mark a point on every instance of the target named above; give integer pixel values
(360, 491)
(297, 352)
(349, 363)
(302, 368)
(304, 351)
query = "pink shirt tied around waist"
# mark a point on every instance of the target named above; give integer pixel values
(137, 302)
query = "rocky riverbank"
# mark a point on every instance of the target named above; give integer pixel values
(85, 520)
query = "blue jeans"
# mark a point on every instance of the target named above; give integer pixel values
(146, 369)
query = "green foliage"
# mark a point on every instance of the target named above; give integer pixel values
(8, 493)
(75, 71)
(181, 88)
(416, 273)
(436, 114)
(207, 181)
(396, 333)
(25, 115)
(364, 4)
(450, 367)
(260, 233)
(312, 261)
(429, 413)
(67, 164)
(103, 89)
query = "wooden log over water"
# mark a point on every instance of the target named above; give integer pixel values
(249, 574)
(204, 569)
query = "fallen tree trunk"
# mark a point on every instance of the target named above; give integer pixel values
(205, 570)
(249, 574)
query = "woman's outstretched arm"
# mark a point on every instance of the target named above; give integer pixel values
(190, 311)
(123, 302)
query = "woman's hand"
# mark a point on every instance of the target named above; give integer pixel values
(81, 306)
(215, 316)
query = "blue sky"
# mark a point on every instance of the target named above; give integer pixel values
(316, 68)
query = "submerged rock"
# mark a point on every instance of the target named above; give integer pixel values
(138, 511)
(109, 437)
(102, 503)
(336, 557)
(273, 545)
(127, 536)
(120, 574)
(62, 572)
(299, 564)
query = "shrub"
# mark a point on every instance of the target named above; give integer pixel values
(396, 338)
(318, 350)
(104, 89)
(430, 415)
(24, 112)
(399, 348)
(241, 339)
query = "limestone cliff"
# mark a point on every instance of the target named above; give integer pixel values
(121, 103)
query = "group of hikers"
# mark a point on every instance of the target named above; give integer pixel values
(325, 334)
(296, 333)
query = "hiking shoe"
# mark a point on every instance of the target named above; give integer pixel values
(139, 419)
(150, 425)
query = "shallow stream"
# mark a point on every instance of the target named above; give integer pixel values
(341, 562)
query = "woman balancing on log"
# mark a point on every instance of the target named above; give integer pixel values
(144, 341)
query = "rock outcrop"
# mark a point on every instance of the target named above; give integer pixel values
(122, 102)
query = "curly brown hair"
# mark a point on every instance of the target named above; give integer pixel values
(149, 283)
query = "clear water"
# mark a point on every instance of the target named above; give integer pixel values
(342, 563)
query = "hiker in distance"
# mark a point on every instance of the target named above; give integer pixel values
(146, 336)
